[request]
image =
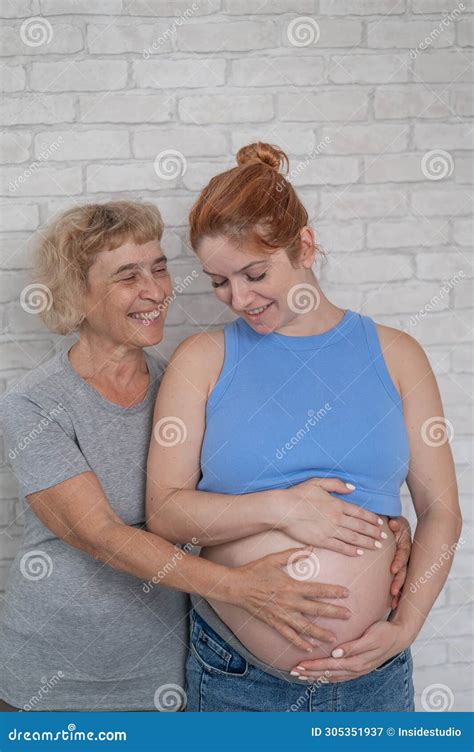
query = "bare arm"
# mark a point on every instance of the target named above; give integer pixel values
(78, 512)
(432, 484)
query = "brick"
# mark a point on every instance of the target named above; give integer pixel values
(20, 9)
(168, 8)
(198, 174)
(91, 144)
(23, 354)
(363, 203)
(429, 266)
(412, 100)
(406, 234)
(361, 7)
(442, 328)
(278, 71)
(340, 238)
(465, 32)
(344, 104)
(167, 74)
(435, 203)
(463, 232)
(15, 250)
(124, 177)
(444, 66)
(231, 36)
(398, 33)
(58, 7)
(329, 33)
(240, 7)
(205, 310)
(463, 101)
(462, 448)
(367, 69)
(376, 268)
(41, 179)
(16, 216)
(47, 109)
(124, 108)
(12, 78)
(83, 75)
(463, 169)
(406, 299)
(63, 39)
(325, 171)
(190, 141)
(11, 285)
(429, 653)
(175, 210)
(116, 39)
(443, 136)
(15, 147)
(21, 322)
(434, 6)
(391, 168)
(361, 139)
(226, 109)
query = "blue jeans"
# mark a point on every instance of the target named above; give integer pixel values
(220, 680)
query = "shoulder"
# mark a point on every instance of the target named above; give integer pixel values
(405, 358)
(199, 358)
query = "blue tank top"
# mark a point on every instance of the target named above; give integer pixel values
(286, 409)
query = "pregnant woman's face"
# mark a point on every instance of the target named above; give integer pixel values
(258, 286)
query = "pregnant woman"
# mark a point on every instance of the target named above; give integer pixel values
(296, 388)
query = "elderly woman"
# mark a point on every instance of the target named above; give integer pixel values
(95, 615)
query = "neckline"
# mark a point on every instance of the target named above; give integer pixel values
(311, 341)
(99, 398)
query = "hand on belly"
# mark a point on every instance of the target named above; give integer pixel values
(367, 577)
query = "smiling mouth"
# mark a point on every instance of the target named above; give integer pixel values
(146, 316)
(257, 311)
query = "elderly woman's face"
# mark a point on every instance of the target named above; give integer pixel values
(127, 292)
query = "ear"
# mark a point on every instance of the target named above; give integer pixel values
(307, 247)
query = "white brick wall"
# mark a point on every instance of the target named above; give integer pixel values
(357, 109)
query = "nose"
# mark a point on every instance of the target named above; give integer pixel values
(239, 295)
(152, 288)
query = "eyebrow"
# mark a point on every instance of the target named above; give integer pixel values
(253, 263)
(127, 267)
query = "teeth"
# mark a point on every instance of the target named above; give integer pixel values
(149, 316)
(255, 311)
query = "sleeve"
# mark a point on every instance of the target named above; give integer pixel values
(42, 453)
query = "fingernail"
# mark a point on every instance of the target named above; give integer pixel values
(378, 544)
(338, 653)
(384, 535)
(301, 668)
(304, 678)
(380, 521)
(349, 485)
(294, 673)
(359, 552)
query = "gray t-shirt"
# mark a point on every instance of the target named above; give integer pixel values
(76, 634)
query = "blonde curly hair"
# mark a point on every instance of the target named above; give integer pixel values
(67, 247)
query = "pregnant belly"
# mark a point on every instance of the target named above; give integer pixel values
(367, 577)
